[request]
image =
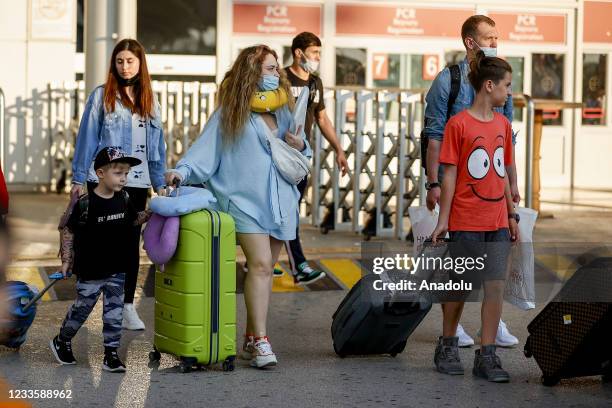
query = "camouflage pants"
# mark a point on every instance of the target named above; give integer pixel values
(87, 297)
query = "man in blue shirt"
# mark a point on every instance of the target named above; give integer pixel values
(477, 33)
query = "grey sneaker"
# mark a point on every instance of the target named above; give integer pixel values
(446, 358)
(487, 365)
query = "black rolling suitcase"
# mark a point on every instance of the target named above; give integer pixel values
(571, 336)
(379, 322)
(367, 322)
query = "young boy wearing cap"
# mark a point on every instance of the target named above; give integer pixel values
(93, 247)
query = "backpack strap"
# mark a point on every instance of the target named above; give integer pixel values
(83, 204)
(126, 198)
(455, 85)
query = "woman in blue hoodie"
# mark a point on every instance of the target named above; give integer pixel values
(233, 157)
(124, 113)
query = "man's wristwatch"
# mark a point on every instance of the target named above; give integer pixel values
(516, 217)
(429, 186)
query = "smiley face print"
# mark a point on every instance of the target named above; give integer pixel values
(479, 164)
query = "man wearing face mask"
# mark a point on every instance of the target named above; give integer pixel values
(306, 50)
(477, 33)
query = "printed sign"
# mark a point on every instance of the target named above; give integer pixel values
(52, 19)
(430, 67)
(597, 21)
(530, 28)
(404, 21)
(380, 67)
(276, 19)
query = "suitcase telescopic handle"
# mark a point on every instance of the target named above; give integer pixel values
(176, 183)
(54, 278)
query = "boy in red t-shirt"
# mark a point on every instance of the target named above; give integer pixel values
(476, 209)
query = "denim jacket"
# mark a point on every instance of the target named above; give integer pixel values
(437, 100)
(99, 129)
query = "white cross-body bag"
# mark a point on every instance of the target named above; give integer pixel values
(291, 164)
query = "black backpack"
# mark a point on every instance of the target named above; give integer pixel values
(452, 97)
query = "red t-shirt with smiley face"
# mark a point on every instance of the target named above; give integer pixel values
(480, 150)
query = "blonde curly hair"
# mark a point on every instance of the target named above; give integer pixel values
(238, 87)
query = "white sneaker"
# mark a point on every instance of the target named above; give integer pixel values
(131, 320)
(504, 338)
(262, 354)
(464, 339)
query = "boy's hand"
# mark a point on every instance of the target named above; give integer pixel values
(161, 192)
(65, 270)
(514, 230)
(439, 233)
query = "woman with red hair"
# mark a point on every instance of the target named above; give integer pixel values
(124, 113)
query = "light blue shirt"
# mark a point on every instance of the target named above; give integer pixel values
(100, 129)
(243, 172)
(437, 101)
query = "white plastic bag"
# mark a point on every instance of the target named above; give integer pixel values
(520, 285)
(299, 112)
(423, 225)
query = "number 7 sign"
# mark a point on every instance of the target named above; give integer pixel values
(380, 66)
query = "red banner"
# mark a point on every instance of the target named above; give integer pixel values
(276, 19)
(530, 27)
(400, 21)
(598, 21)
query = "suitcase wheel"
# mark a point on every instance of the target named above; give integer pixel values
(228, 364)
(550, 381)
(398, 348)
(154, 356)
(527, 349)
(341, 355)
(187, 364)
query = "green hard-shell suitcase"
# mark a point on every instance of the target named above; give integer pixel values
(195, 295)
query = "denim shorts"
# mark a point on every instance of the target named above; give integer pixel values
(245, 224)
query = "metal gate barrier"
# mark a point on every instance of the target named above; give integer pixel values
(377, 129)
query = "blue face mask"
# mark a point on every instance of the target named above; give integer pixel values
(269, 82)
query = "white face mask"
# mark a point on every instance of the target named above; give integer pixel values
(308, 65)
(488, 51)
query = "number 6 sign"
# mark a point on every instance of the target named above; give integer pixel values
(430, 67)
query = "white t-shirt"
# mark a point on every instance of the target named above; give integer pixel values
(139, 175)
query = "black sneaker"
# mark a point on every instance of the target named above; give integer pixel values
(306, 274)
(487, 365)
(112, 362)
(62, 350)
(446, 357)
